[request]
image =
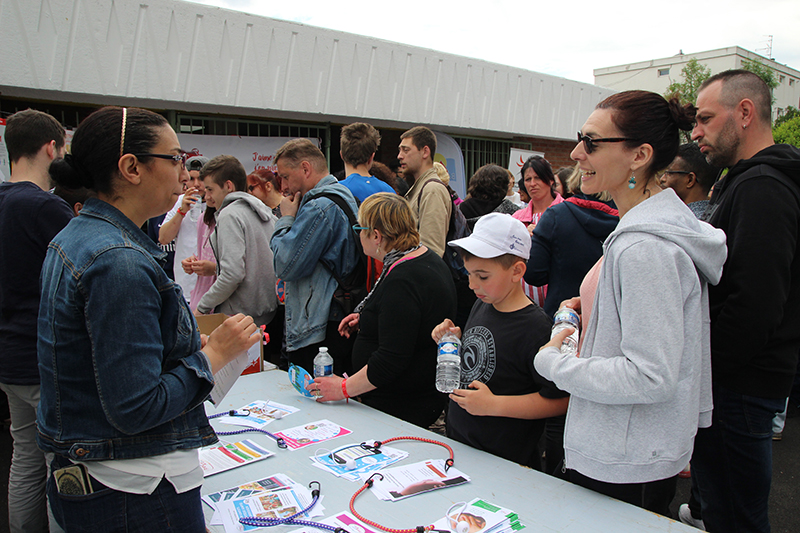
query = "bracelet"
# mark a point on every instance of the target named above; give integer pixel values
(344, 389)
(181, 213)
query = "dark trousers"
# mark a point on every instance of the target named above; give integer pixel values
(340, 348)
(732, 462)
(654, 496)
(112, 511)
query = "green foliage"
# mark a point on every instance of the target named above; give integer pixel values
(788, 131)
(763, 71)
(790, 113)
(694, 74)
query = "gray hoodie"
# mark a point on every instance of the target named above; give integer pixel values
(245, 274)
(642, 385)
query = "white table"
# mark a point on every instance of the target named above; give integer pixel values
(544, 503)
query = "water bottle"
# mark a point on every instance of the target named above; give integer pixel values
(566, 317)
(448, 363)
(323, 363)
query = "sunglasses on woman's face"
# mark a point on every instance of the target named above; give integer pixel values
(589, 143)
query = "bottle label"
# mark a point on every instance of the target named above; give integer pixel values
(448, 348)
(323, 370)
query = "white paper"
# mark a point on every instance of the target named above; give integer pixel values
(482, 517)
(258, 414)
(219, 458)
(365, 461)
(228, 374)
(404, 481)
(275, 504)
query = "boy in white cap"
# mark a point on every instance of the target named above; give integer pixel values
(502, 403)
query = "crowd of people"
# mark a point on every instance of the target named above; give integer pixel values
(681, 261)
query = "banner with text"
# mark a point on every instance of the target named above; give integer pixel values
(253, 152)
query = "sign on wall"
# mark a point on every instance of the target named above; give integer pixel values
(517, 158)
(448, 153)
(253, 152)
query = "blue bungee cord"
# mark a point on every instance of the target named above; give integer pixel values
(293, 520)
(233, 412)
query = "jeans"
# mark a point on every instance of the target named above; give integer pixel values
(732, 462)
(112, 511)
(27, 505)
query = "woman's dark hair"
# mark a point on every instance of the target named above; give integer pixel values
(208, 215)
(648, 118)
(490, 182)
(99, 142)
(543, 170)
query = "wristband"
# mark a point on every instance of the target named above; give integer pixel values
(344, 389)
(181, 213)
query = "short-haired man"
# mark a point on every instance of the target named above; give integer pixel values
(359, 141)
(431, 202)
(755, 308)
(29, 219)
(180, 224)
(244, 224)
(691, 177)
(314, 244)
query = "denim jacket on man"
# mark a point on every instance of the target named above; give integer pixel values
(306, 247)
(119, 352)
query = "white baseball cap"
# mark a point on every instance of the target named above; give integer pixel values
(496, 234)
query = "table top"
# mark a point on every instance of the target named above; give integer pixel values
(544, 503)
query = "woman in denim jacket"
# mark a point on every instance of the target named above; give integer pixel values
(123, 368)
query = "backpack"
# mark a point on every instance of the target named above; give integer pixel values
(457, 228)
(353, 288)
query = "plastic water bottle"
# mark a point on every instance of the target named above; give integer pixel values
(566, 317)
(323, 363)
(448, 363)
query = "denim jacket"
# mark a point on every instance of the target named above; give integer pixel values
(122, 374)
(306, 247)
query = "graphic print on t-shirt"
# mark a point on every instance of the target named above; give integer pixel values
(478, 359)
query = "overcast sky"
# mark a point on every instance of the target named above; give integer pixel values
(558, 37)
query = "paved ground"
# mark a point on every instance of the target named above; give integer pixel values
(784, 498)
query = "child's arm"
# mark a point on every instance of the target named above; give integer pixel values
(480, 401)
(439, 331)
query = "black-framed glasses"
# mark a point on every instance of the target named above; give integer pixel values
(589, 143)
(177, 158)
(677, 172)
(358, 228)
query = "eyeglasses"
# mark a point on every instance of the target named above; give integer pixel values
(358, 228)
(177, 158)
(588, 142)
(677, 172)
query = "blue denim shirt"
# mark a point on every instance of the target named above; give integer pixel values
(306, 247)
(122, 374)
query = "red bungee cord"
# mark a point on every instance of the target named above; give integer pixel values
(367, 484)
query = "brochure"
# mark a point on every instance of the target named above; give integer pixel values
(258, 414)
(275, 504)
(219, 458)
(403, 481)
(344, 520)
(482, 517)
(364, 460)
(312, 433)
(270, 483)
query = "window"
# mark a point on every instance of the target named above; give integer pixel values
(791, 82)
(783, 78)
(478, 152)
(663, 72)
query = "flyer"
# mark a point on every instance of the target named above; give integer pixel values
(312, 433)
(269, 483)
(219, 458)
(482, 517)
(401, 482)
(258, 414)
(275, 504)
(364, 459)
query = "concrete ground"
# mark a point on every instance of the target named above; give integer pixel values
(784, 498)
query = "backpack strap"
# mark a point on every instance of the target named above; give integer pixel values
(351, 217)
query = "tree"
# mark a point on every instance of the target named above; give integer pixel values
(788, 131)
(790, 113)
(762, 71)
(694, 74)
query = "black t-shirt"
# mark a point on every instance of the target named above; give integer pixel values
(394, 339)
(29, 219)
(498, 350)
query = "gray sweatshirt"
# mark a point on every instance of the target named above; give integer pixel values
(245, 274)
(642, 385)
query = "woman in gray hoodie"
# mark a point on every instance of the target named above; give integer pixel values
(641, 384)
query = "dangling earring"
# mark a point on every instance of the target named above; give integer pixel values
(632, 182)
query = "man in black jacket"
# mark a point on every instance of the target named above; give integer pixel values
(755, 309)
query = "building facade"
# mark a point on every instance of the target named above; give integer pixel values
(657, 74)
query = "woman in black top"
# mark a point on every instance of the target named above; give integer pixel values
(394, 353)
(487, 194)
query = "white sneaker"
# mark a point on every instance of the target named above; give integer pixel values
(686, 517)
